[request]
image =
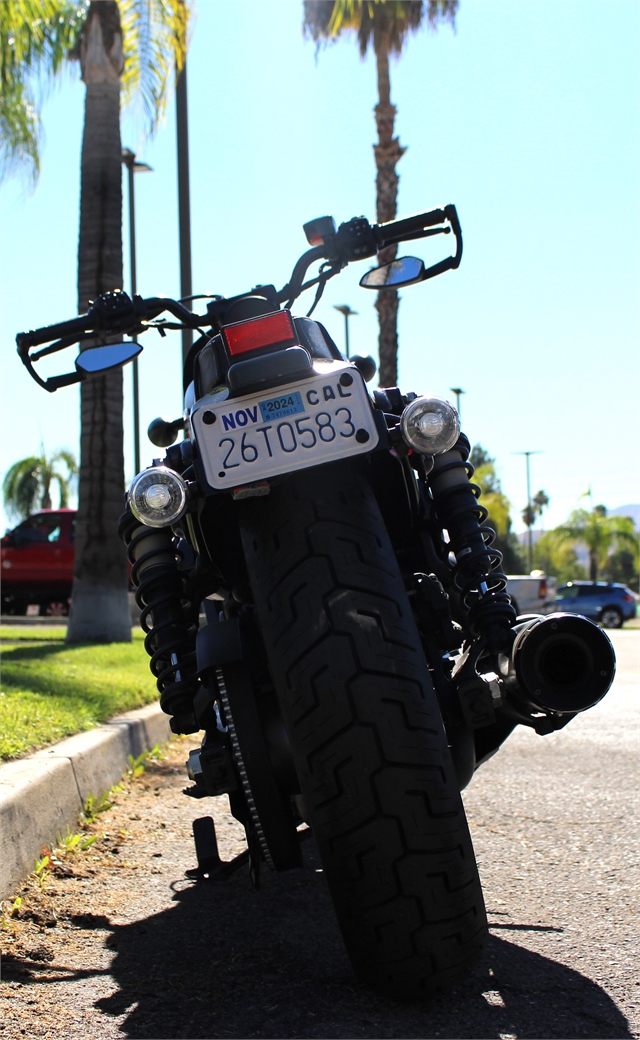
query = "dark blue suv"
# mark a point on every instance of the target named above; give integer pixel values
(611, 605)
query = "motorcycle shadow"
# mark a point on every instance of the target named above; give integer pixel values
(227, 961)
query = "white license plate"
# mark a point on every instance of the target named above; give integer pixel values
(244, 439)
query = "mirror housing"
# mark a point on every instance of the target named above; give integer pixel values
(404, 271)
(95, 360)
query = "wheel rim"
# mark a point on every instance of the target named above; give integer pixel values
(611, 619)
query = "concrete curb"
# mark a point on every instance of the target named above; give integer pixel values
(41, 796)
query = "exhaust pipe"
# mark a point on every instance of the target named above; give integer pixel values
(560, 665)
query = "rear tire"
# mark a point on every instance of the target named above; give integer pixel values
(370, 750)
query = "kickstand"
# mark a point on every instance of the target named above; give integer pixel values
(210, 866)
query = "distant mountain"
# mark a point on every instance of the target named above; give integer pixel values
(633, 511)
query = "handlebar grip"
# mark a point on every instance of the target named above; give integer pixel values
(26, 340)
(396, 230)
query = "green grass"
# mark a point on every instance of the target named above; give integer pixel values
(51, 690)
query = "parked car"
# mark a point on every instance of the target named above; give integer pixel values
(533, 593)
(610, 604)
(37, 563)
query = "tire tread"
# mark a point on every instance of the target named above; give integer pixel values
(365, 730)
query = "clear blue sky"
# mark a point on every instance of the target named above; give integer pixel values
(526, 118)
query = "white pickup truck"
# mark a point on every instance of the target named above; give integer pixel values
(533, 593)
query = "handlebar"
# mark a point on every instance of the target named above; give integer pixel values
(397, 230)
(26, 340)
(111, 313)
(418, 227)
(115, 312)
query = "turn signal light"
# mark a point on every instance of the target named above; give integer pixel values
(430, 425)
(265, 331)
(158, 496)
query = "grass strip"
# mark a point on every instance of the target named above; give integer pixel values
(51, 690)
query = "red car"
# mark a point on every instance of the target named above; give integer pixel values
(37, 563)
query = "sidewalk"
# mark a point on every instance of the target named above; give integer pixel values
(40, 796)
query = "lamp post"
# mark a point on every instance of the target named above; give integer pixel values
(457, 391)
(184, 201)
(345, 309)
(527, 455)
(129, 160)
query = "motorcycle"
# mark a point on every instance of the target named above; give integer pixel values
(321, 596)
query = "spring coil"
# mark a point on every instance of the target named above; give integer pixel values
(476, 575)
(167, 617)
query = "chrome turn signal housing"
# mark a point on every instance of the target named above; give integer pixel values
(158, 496)
(430, 425)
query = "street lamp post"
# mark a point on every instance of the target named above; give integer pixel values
(527, 455)
(129, 160)
(184, 200)
(457, 391)
(345, 309)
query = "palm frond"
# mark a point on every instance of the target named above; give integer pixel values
(63, 489)
(20, 487)
(155, 37)
(599, 532)
(35, 39)
(26, 484)
(20, 132)
(373, 20)
(69, 459)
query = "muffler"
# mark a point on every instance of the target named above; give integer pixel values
(559, 665)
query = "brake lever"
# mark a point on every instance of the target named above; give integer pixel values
(450, 263)
(427, 234)
(61, 344)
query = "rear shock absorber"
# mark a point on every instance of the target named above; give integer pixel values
(477, 575)
(166, 617)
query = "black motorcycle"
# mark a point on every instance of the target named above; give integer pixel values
(321, 597)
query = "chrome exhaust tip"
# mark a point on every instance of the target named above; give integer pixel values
(560, 664)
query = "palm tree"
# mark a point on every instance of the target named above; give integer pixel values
(27, 484)
(123, 46)
(557, 558)
(499, 508)
(600, 533)
(384, 25)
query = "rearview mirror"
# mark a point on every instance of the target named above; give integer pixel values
(405, 271)
(100, 359)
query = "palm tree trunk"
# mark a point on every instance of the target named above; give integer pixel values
(99, 604)
(387, 152)
(593, 565)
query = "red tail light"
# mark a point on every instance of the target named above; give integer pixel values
(543, 589)
(264, 331)
(627, 598)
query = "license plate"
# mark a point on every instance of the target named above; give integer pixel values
(244, 439)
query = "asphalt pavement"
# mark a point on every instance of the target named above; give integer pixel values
(121, 944)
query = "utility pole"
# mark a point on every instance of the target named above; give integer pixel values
(527, 455)
(458, 392)
(184, 202)
(345, 309)
(129, 160)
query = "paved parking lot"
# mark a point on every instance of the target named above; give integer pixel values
(122, 945)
